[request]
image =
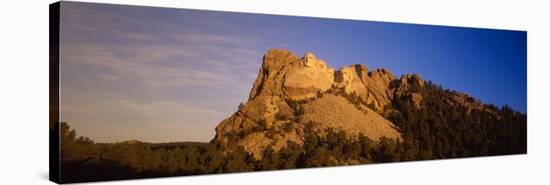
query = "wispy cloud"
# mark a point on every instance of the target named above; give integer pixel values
(126, 75)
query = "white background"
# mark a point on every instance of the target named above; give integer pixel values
(24, 91)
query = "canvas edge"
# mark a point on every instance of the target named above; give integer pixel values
(54, 145)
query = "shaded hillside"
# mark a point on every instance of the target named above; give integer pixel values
(302, 113)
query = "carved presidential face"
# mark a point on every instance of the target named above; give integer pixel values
(309, 58)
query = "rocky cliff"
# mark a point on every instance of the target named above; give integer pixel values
(291, 93)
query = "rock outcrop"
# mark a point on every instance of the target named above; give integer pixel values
(283, 73)
(373, 87)
(292, 90)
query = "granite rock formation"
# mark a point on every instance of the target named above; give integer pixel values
(291, 93)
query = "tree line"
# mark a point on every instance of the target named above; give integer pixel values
(436, 130)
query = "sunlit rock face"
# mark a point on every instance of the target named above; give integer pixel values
(373, 87)
(285, 77)
(307, 79)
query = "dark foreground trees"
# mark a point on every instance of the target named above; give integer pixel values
(84, 160)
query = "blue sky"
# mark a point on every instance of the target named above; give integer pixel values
(161, 74)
